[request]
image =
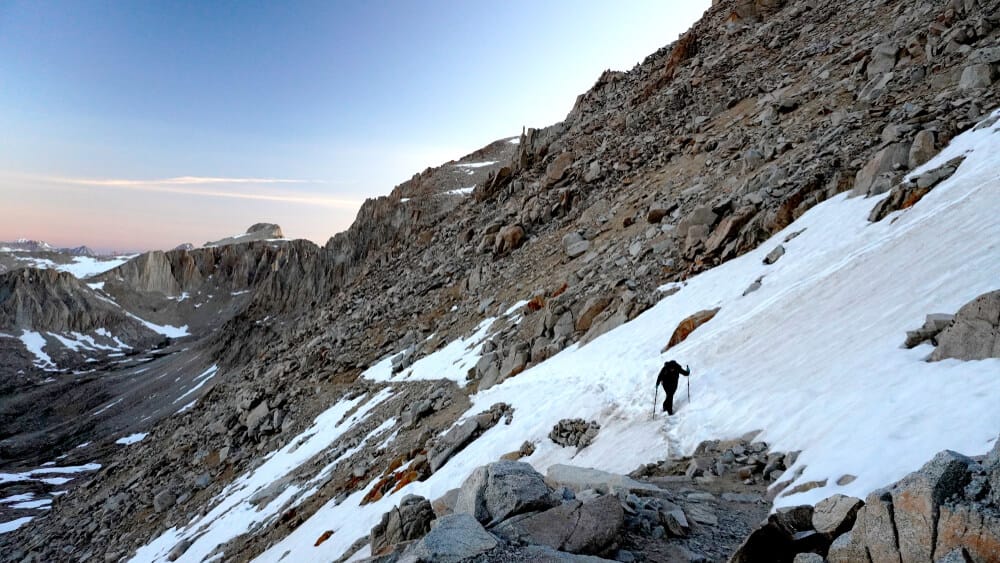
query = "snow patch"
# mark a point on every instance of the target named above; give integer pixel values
(476, 164)
(35, 342)
(14, 524)
(165, 330)
(200, 381)
(131, 438)
(451, 362)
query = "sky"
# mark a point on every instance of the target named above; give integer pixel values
(140, 125)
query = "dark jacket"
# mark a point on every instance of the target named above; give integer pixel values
(669, 375)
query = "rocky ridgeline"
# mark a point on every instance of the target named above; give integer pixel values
(695, 156)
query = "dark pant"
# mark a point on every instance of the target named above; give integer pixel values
(668, 403)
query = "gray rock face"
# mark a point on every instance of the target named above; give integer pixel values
(164, 500)
(975, 332)
(577, 527)
(976, 76)
(923, 149)
(887, 161)
(774, 255)
(52, 301)
(497, 491)
(883, 59)
(454, 538)
(835, 515)
(411, 520)
(452, 442)
(270, 230)
(933, 325)
(574, 245)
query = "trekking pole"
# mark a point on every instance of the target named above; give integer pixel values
(689, 383)
(656, 390)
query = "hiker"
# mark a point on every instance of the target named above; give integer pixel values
(668, 379)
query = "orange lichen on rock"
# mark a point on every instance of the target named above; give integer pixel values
(326, 535)
(688, 325)
(405, 479)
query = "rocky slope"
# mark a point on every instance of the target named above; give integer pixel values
(691, 159)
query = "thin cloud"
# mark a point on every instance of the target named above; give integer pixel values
(178, 181)
(188, 185)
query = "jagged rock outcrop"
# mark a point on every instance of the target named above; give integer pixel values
(974, 334)
(947, 510)
(53, 301)
(407, 216)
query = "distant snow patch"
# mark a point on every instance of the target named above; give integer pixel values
(88, 266)
(14, 524)
(131, 439)
(476, 164)
(200, 381)
(461, 191)
(33, 474)
(34, 342)
(165, 330)
(40, 503)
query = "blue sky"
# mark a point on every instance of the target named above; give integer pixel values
(287, 112)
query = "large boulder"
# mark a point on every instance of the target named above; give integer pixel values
(495, 492)
(889, 160)
(411, 520)
(557, 168)
(835, 515)
(455, 538)
(574, 244)
(451, 443)
(975, 332)
(509, 238)
(688, 325)
(577, 527)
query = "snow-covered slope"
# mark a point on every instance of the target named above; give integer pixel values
(80, 266)
(813, 359)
